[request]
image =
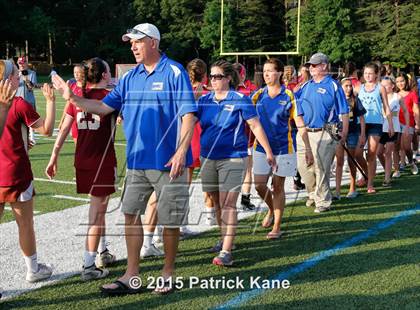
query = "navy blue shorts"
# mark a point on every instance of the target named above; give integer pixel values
(373, 130)
(352, 139)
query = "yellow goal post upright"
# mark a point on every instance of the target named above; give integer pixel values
(251, 53)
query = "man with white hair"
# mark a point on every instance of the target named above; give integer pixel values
(157, 104)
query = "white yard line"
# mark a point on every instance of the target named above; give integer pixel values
(55, 181)
(71, 198)
(10, 209)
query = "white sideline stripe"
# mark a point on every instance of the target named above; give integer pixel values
(55, 181)
(120, 144)
(71, 198)
(10, 209)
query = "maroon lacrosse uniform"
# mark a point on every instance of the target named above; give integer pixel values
(15, 168)
(95, 160)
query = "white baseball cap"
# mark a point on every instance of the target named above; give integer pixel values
(140, 31)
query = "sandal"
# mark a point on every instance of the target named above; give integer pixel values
(371, 190)
(168, 288)
(267, 223)
(121, 289)
(274, 236)
(387, 183)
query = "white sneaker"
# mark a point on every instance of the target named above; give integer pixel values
(184, 232)
(158, 236)
(44, 272)
(105, 259)
(150, 251)
(414, 169)
(396, 174)
(93, 273)
(211, 219)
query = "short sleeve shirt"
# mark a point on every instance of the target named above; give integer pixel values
(152, 105)
(14, 160)
(223, 125)
(321, 103)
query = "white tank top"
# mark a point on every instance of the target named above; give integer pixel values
(394, 106)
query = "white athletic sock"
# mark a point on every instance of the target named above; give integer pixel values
(102, 244)
(147, 239)
(31, 262)
(89, 258)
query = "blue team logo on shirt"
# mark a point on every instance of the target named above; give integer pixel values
(282, 102)
(229, 107)
(321, 90)
(157, 86)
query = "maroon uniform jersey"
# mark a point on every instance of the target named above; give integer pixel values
(95, 141)
(15, 167)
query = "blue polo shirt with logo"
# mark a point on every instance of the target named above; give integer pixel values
(322, 102)
(275, 115)
(223, 125)
(152, 106)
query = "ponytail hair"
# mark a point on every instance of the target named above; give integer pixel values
(94, 69)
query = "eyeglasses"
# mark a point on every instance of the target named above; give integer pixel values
(216, 76)
(135, 31)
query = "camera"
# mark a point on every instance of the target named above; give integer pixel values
(24, 72)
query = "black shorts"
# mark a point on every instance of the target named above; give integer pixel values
(385, 138)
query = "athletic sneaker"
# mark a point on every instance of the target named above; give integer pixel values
(44, 272)
(396, 174)
(321, 209)
(211, 219)
(352, 195)
(223, 259)
(184, 232)
(414, 169)
(219, 246)
(150, 251)
(336, 197)
(246, 203)
(105, 259)
(310, 203)
(93, 273)
(158, 236)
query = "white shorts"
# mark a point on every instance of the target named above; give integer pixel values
(286, 164)
(27, 194)
(410, 129)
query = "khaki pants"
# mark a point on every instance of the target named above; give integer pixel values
(317, 176)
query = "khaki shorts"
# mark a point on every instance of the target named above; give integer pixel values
(286, 165)
(223, 175)
(173, 196)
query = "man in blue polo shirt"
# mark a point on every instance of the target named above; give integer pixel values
(320, 102)
(157, 104)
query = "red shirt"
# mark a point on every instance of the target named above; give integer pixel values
(78, 92)
(95, 142)
(409, 101)
(247, 88)
(14, 160)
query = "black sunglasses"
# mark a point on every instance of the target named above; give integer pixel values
(135, 31)
(216, 76)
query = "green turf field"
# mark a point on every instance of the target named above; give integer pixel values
(381, 272)
(40, 155)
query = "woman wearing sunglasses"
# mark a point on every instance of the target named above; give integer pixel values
(222, 114)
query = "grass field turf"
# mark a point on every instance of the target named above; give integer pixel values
(382, 272)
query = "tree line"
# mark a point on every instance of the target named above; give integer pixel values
(360, 30)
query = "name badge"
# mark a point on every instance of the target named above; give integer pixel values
(229, 107)
(321, 90)
(157, 86)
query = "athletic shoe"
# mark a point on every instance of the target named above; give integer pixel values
(336, 197)
(387, 183)
(184, 232)
(396, 174)
(105, 259)
(219, 246)
(158, 236)
(310, 203)
(352, 195)
(150, 251)
(211, 219)
(44, 272)
(93, 273)
(414, 169)
(223, 259)
(246, 203)
(321, 209)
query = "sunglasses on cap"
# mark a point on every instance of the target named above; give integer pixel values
(216, 76)
(135, 31)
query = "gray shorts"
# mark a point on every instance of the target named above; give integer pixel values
(223, 175)
(173, 196)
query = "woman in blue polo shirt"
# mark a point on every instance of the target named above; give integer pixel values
(222, 114)
(275, 106)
